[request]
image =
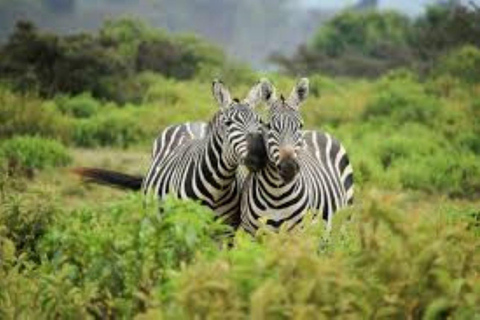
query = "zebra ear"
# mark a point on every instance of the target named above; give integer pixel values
(299, 93)
(221, 94)
(268, 91)
(262, 91)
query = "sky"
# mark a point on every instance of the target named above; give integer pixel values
(411, 7)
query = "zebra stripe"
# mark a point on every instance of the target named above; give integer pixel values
(201, 162)
(175, 135)
(307, 170)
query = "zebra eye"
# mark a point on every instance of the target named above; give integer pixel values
(228, 123)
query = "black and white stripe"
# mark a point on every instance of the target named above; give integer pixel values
(307, 171)
(201, 162)
(172, 136)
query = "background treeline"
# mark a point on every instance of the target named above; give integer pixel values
(370, 43)
(248, 30)
(107, 62)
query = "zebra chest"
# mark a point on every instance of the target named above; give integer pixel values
(264, 203)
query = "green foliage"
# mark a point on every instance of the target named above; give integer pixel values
(81, 106)
(365, 44)
(380, 264)
(462, 64)
(125, 260)
(407, 249)
(24, 218)
(28, 115)
(29, 153)
(402, 100)
(445, 28)
(413, 157)
(366, 32)
(372, 43)
(115, 129)
(111, 261)
(103, 62)
(51, 64)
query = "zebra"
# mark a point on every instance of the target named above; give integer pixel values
(306, 170)
(201, 161)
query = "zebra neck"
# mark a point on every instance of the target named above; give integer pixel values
(215, 165)
(271, 176)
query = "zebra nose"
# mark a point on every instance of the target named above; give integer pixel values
(256, 158)
(288, 169)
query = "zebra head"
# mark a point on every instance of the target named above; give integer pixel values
(284, 136)
(241, 126)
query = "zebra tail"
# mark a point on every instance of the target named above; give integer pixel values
(110, 178)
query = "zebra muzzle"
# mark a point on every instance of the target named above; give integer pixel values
(256, 158)
(288, 169)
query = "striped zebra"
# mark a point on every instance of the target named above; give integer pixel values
(201, 161)
(306, 171)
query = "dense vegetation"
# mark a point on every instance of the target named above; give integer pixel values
(106, 64)
(247, 29)
(409, 248)
(372, 43)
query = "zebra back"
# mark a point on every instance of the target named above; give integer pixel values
(333, 156)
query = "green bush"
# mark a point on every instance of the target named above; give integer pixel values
(471, 141)
(29, 153)
(383, 263)
(370, 43)
(50, 64)
(104, 63)
(457, 175)
(126, 253)
(28, 115)
(120, 128)
(463, 64)
(402, 100)
(411, 156)
(363, 31)
(25, 217)
(80, 106)
(126, 260)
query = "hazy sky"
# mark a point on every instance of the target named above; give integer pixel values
(412, 7)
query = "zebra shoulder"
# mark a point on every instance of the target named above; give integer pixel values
(326, 148)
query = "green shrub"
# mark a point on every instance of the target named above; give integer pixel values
(462, 63)
(411, 156)
(470, 141)
(383, 263)
(126, 260)
(363, 31)
(25, 217)
(457, 175)
(370, 43)
(52, 64)
(126, 251)
(469, 136)
(28, 115)
(402, 100)
(29, 153)
(105, 62)
(113, 129)
(80, 106)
